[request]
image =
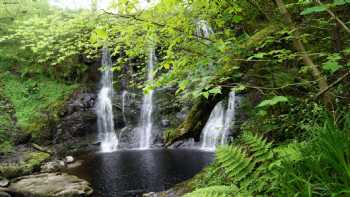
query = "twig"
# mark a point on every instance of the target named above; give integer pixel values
(333, 84)
(134, 17)
(346, 28)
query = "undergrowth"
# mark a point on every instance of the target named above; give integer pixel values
(318, 166)
(36, 100)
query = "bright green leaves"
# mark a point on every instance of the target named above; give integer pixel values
(324, 7)
(332, 65)
(56, 39)
(214, 91)
(341, 2)
(182, 86)
(98, 35)
(315, 9)
(273, 101)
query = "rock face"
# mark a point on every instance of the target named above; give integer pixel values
(77, 126)
(78, 119)
(50, 185)
(167, 113)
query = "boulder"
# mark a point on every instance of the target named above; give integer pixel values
(52, 166)
(4, 182)
(4, 194)
(68, 159)
(51, 185)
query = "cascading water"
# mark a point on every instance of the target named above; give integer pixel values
(104, 107)
(145, 128)
(124, 100)
(203, 29)
(229, 116)
(218, 125)
(212, 130)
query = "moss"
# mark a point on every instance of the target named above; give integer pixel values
(6, 147)
(29, 165)
(36, 101)
(170, 134)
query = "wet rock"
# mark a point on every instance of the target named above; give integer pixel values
(4, 182)
(78, 119)
(52, 166)
(51, 185)
(21, 137)
(165, 123)
(4, 194)
(69, 159)
(74, 164)
(97, 143)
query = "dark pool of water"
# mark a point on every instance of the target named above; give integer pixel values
(131, 173)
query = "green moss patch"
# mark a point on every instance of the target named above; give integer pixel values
(31, 163)
(36, 100)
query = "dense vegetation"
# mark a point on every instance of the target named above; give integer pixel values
(290, 60)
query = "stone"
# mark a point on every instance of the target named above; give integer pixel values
(4, 194)
(69, 159)
(165, 122)
(52, 166)
(4, 182)
(74, 164)
(51, 185)
(97, 143)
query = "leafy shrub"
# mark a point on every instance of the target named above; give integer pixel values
(246, 166)
(318, 166)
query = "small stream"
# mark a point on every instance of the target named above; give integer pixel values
(129, 173)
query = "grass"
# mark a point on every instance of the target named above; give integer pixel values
(36, 100)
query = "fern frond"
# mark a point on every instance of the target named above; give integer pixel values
(214, 191)
(258, 146)
(235, 162)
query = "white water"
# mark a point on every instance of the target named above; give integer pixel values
(217, 128)
(229, 117)
(203, 29)
(124, 100)
(146, 124)
(104, 107)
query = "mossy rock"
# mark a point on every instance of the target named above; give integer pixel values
(27, 166)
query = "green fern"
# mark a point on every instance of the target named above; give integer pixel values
(258, 146)
(247, 164)
(214, 191)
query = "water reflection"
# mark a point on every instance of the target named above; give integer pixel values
(131, 172)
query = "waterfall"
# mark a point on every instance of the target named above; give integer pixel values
(229, 116)
(218, 125)
(104, 107)
(145, 128)
(203, 29)
(124, 98)
(212, 130)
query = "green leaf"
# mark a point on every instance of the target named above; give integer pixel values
(271, 102)
(205, 94)
(332, 64)
(312, 10)
(216, 90)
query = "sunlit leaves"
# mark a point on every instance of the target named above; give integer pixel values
(315, 9)
(332, 64)
(324, 7)
(273, 101)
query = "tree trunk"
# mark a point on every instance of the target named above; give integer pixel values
(195, 120)
(322, 82)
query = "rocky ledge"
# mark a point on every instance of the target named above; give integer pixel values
(49, 185)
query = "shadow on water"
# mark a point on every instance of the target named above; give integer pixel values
(133, 172)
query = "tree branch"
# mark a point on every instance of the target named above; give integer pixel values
(333, 84)
(341, 23)
(134, 17)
